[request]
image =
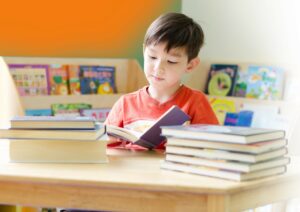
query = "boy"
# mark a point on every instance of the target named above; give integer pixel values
(171, 47)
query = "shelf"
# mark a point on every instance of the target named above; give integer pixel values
(97, 101)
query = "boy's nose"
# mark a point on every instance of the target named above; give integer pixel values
(159, 67)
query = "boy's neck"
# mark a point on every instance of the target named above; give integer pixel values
(162, 95)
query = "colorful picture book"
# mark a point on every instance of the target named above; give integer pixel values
(97, 79)
(98, 114)
(58, 77)
(30, 79)
(221, 107)
(265, 82)
(74, 81)
(71, 109)
(221, 79)
(38, 112)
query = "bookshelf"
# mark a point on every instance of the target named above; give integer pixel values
(129, 77)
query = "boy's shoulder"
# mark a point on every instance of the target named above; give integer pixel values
(140, 92)
(192, 93)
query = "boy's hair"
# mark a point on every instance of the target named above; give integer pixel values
(177, 30)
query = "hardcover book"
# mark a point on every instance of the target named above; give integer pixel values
(226, 155)
(152, 136)
(57, 151)
(220, 173)
(253, 148)
(30, 79)
(97, 80)
(221, 79)
(52, 122)
(265, 82)
(58, 75)
(228, 164)
(61, 134)
(230, 134)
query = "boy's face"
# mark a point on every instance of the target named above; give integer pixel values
(164, 70)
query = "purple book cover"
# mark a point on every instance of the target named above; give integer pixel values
(31, 79)
(152, 137)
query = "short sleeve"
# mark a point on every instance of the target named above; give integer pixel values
(115, 116)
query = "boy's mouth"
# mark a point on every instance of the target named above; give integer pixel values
(157, 78)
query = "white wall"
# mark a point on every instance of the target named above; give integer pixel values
(253, 31)
(264, 31)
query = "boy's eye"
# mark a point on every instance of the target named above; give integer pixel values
(152, 57)
(171, 62)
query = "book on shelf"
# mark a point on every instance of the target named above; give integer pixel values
(228, 164)
(74, 81)
(226, 155)
(99, 114)
(63, 134)
(221, 79)
(52, 122)
(38, 112)
(221, 107)
(221, 173)
(240, 86)
(253, 148)
(265, 82)
(230, 134)
(58, 78)
(30, 79)
(57, 151)
(97, 79)
(150, 137)
(69, 109)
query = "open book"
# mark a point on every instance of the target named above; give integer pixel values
(151, 137)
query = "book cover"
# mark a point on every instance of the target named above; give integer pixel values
(59, 134)
(265, 82)
(30, 79)
(38, 112)
(99, 114)
(231, 134)
(57, 151)
(221, 107)
(58, 77)
(228, 164)
(152, 136)
(97, 80)
(69, 109)
(226, 155)
(254, 148)
(220, 173)
(73, 78)
(221, 79)
(240, 86)
(52, 122)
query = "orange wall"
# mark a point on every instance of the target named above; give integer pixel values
(87, 28)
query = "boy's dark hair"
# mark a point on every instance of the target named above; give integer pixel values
(177, 30)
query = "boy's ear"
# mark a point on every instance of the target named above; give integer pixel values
(192, 64)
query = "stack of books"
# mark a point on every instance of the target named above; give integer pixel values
(228, 152)
(50, 139)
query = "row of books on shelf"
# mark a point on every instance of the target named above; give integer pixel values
(71, 109)
(256, 81)
(63, 79)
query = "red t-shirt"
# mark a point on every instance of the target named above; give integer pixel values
(139, 108)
